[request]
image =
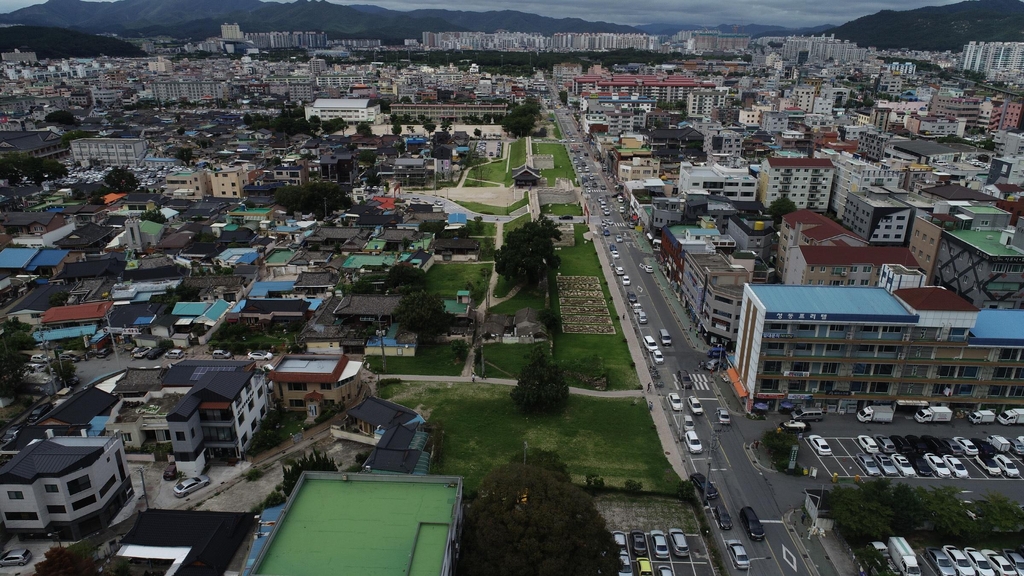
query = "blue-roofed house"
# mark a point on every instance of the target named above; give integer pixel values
(273, 289)
(16, 259)
(46, 261)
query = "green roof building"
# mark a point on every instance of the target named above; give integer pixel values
(366, 524)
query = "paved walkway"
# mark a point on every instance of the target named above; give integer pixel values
(827, 553)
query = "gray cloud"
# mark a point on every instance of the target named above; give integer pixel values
(789, 13)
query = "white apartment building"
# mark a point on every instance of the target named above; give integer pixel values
(351, 110)
(190, 90)
(805, 181)
(986, 56)
(704, 102)
(720, 180)
(852, 174)
(72, 486)
(803, 97)
(109, 151)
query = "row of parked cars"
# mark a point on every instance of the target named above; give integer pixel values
(661, 546)
(930, 456)
(748, 520)
(953, 561)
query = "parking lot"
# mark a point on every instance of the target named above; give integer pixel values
(696, 565)
(843, 461)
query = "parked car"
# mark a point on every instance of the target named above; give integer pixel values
(688, 423)
(675, 402)
(700, 481)
(677, 540)
(885, 465)
(905, 468)
(10, 435)
(693, 445)
(953, 446)
(175, 354)
(70, 357)
(867, 443)
(38, 412)
(940, 561)
(722, 517)
(819, 445)
(956, 467)
(155, 353)
(966, 445)
(16, 557)
(1000, 564)
(171, 471)
(868, 464)
(988, 465)
(984, 448)
(902, 445)
(190, 485)
(659, 545)
(222, 355)
(795, 427)
(937, 465)
(658, 357)
(922, 467)
(959, 560)
(625, 564)
(885, 444)
(1006, 466)
(104, 352)
(738, 554)
(621, 541)
(639, 541)
(139, 353)
(979, 562)
(39, 358)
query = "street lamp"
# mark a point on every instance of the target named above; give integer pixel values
(381, 332)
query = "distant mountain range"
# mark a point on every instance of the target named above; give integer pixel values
(938, 27)
(752, 29)
(62, 43)
(202, 18)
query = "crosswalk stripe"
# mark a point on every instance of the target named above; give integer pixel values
(700, 381)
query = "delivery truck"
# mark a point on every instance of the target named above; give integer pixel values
(882, 414)
(982, 417)
(1011, 416)
(934, 414)
(903, 556)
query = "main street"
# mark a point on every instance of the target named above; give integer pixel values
(725, 459)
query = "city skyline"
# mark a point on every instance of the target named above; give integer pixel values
(788, 13)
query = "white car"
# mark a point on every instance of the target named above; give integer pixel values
(988, 465)
(693, 445)
(999, 563)
(819, 445)
(867, 443)
(650, 343)
(647, 268)
(1006, 466)
(688, 423)
(259, 355)
(615, 254)
(618, 238)
(955, 466)
(190, 485)
(738, 554)
(675, 402)
(960, 562)
(979, 562)
(694, 405)
(39, 358)
(903, 466)
(175, 354)
(658, 357)
(626, 281)
(619, 271)
(969, 448)
(938, 466)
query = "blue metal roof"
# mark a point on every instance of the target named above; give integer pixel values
(830, 303)
(998, 328)
(262, 289)
(63, 333)
(189, 309)
(47, 258)
(16, 258)
(457, 218)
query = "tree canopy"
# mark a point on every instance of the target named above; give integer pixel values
(520, 119)
(65, 562)
(528, 252)
(12, 370)
(121, 180)
(315, 461)
(529, 521)
(61, 117)
(424, 314)
(542, 386)
(780, 207)
(313, 197)
(153, 216)
(406, 279)
(19, 168)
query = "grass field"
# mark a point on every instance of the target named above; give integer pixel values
(494, 210)
(572, 209)
(517, 157)
(428, 361)
(513, 224)
(506, 360)
(534, 298)
(493, 171)
(612, 438)
(563, 167)
(447, 279)
(503, 287)
(487, 230)
(592, 349)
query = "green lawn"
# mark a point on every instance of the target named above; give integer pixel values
(594, 351)
(612, 438)
(563, 167)
(503, 287)
(471, 183)
(517, 157)
(506, 360)
(487, 230)
(447, 279)
(572, 209)
(493, 171)
(428, 361)
(516, 223)
(557, 129)
(533, 298)
(494, 210)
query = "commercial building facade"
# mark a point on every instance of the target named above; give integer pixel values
(109, 151)
(351, 110)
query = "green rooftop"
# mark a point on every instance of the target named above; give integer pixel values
(985, 210)
(985, 240)
(364, 524)
(280, 256)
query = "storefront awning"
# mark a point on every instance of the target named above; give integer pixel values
(918, 403)
(737, 385)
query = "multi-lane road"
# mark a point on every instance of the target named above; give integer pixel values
(724, 460)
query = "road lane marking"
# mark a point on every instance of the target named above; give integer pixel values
(789, 557)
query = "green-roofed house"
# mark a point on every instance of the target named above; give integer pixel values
(340, 523)
(357, 262)
(462, 308)
(982, 258)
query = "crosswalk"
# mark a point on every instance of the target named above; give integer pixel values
(700, 381)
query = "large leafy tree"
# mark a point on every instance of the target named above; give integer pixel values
(528, 252)
(12, 370)
(61, 117)
(315, 461)
(944, 508)
(529, 521)
(65, 562)
(406, 279)
(780, 207)
(997, 512)
(18, 168)
(313, 197)
(542, 386)
(121, 180)
(858, 516)
(423, 313)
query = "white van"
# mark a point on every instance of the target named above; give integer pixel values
(666, 339)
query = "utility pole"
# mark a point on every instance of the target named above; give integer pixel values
(144, 495)
(711, 453)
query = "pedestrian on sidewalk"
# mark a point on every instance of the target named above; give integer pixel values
(474, 377)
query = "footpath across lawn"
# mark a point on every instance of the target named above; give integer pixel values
(611, 438)
(429, 361)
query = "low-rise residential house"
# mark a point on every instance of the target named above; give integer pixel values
(375, 415)
(311, 383)
(37, 229)
(842, 265)
(87, 239)
(30, 308)
(315, 284)
(69, 486)
(268, 311)
(457, 249)
(193, 542)
(217, 417)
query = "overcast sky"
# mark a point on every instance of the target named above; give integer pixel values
(790, 13)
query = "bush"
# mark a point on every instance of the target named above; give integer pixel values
(686, 492)
(634, 486)
(275, 498)
(253, 474)
(594, 482)
(460, 349)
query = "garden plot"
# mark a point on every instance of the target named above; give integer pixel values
(583, 307)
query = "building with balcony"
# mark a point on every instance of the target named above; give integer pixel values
(109, 151)
(312, 383)
(217, 417)
(842, 265)
(982, 260)
(853, 174)
(712, 289)
(732, 181)
(805, 181)
(806, 228)
(879, 215)
(72, 486)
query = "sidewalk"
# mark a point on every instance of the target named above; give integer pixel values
(827, 552)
